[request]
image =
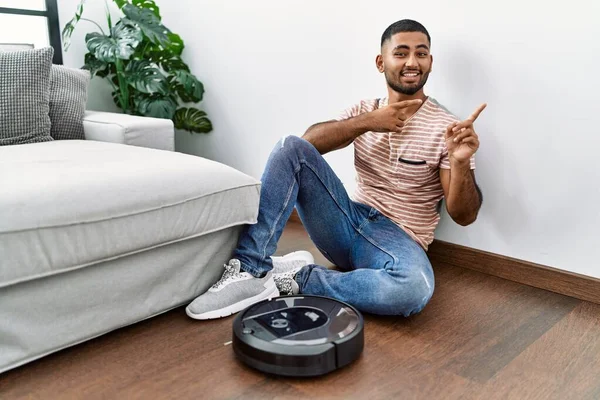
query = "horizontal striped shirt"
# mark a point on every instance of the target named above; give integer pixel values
(398, 173)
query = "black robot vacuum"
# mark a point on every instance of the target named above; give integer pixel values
(298, 335)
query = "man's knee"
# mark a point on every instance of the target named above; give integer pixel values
(417, 289)
(294, 144)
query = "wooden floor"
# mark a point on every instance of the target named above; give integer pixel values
(480, 337)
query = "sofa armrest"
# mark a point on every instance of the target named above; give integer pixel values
(149, 132)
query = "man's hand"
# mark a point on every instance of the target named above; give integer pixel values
(391, 117)
(461, 140)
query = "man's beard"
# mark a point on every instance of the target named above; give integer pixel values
(407, 90)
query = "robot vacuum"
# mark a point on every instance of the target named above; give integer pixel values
(298, 335)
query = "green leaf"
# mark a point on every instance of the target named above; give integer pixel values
(173, 64)
(146, 77)
(70, 26)
(192, 120)
(188, 87)
(149, 23)
(128, 36)
(169, 62)
(95, 66)
(176, 47)
(147, 4)
(141, 52)
(165, 58)
(156, 106)
(121, 44)
(103, 47)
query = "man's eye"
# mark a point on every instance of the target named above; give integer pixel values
(399, 54)
(422, 54)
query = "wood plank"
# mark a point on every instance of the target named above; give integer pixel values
(562, 364)
(273, 388)
(540, 276)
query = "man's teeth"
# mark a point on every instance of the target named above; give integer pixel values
(411, 74)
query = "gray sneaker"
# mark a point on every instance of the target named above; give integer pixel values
(235, 291)
(285, 269)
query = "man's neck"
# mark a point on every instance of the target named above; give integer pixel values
(394, 97)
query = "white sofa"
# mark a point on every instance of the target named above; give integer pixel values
(100, 233)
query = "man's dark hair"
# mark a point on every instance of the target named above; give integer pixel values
(404, 25)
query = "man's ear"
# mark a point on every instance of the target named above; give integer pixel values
(379, 63)
(431, 66)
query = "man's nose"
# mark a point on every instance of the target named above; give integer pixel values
(412, 61)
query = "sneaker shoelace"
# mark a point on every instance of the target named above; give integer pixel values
(285, 275)
(284, 282)
(230, 274)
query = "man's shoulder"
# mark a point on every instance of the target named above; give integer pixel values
(435, 109)
(363, 106)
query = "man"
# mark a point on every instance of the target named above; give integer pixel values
(410, 153)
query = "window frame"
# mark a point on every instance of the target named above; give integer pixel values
(51, 14)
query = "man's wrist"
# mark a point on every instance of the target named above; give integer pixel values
(365, 122)
(460, 164)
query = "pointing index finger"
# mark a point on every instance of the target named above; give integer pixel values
(469, 121)
(475, 114)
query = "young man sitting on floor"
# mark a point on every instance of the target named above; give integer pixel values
(410, 153)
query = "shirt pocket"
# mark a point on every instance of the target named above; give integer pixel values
(413, 170)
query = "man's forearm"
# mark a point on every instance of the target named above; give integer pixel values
(333, 135)
(464, 198)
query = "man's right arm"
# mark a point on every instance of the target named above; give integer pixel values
(335, 135)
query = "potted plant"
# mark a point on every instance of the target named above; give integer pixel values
(141, 59)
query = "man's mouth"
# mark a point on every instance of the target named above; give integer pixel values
(410, 74)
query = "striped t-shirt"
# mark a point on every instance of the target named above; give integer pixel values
(398, 173)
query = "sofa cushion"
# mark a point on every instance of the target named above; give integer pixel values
(68, 97)
(70, 204)
(24, 96)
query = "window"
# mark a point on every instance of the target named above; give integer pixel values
(30, 24)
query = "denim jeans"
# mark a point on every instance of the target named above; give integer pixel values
(383, 270)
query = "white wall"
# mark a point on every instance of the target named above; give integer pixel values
(272, 68)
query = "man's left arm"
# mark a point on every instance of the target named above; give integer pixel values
(463, 197)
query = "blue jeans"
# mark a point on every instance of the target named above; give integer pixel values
(383, 270)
